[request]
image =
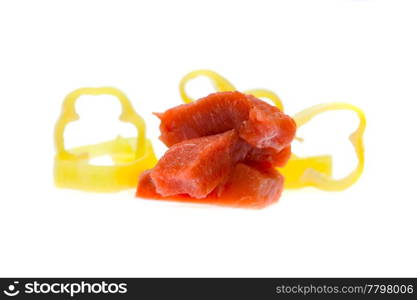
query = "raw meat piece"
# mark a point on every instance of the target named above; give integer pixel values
(146, 188)
(260, 124)
(246, 187)
(223, 150)
(268, 157)
(267, 126)
(197, 166)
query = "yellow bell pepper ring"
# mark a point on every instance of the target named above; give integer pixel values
(317, 171)
(220, 83)
(130, 156)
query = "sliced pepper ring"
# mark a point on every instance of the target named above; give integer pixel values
(221, 84)
(131, 156)
(317, 171)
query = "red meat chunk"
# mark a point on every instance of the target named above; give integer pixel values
(223, 150)
(258, 123)
(268, 157)
(197, 166)
(245, 187)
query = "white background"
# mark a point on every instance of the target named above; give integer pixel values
(309, 52)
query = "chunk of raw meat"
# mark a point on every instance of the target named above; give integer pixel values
(246, 187)
(197, 166)
(223, 150)
(268, 157)
(258, 123)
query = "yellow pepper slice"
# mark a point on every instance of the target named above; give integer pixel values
(300, 171)
(131, 156)
(221, 84)
(317, 171)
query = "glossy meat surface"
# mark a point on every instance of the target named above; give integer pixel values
(245, 187)
(197, 166)
(258, 123)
